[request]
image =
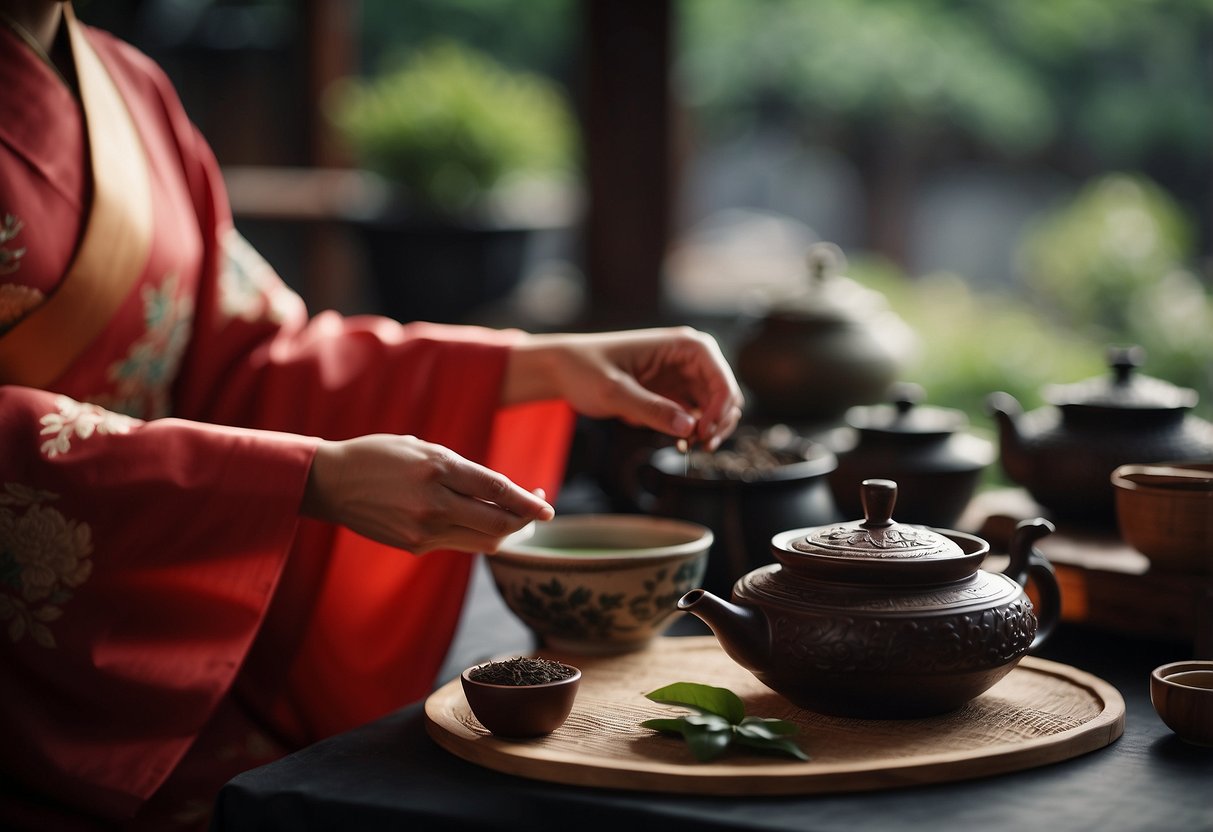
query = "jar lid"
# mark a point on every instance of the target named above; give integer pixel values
(905, 415)
(1124, 388)
(878, 549)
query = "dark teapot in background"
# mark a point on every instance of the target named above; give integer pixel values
(808, 357)
(1064, 453)
(929, 451)
(742, 508)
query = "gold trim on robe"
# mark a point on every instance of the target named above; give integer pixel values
(116, 240)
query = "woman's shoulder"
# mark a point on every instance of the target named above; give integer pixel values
(132, 68)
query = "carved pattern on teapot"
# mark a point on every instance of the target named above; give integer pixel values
(890, 542)
(983, 588)
(973, 641)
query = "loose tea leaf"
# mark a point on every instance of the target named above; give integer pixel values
(751, 455)
(720, 721)
(521, 670)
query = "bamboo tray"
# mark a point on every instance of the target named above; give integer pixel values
(1040, 713)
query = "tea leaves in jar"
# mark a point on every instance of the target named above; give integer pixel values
(751, 456)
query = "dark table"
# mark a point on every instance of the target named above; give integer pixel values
(390, 775)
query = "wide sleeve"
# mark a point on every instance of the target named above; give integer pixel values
(355, 628)
(137, 561)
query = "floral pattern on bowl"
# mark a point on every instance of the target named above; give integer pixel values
(597, 584)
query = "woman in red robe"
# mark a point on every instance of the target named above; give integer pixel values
(204, 492)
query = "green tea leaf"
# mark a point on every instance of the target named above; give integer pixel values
(777, 745)
(707, 742)
(714, 722)
(720, 721)
(764, 728)
(667, 726)
(710, 700)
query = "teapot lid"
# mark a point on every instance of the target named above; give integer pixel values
(906, 415)
(1124, 389)
(828, 297)
(878, 549)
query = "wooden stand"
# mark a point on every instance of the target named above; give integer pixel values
(1104, 582)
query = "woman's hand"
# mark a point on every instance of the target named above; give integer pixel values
(674, 380)
(416, 495)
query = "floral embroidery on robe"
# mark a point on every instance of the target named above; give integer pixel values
(249, 287)
(142, 379)
(43, 557)
(10, 258)
(16, 301)
(79, 419)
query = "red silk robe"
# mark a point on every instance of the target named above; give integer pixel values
(166, 618)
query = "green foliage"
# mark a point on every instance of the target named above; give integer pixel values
(972, 344)
(450, 124)
(1110, 266)
(907, 64)
(1105, 268)
(1123, 77)
(1091, 257)
(536, 35)
(720, 721)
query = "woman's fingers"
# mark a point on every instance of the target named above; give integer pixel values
(416, 495)
(485, 518)
(487, 487)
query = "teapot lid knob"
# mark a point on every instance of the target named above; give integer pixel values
(824, 260)
(1124, 360)
(878, 497)
(905, 395)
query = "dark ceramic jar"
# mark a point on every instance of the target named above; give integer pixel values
(1064, 454)
(743, 508)
(876, 619)
(928, 451)
(807, 358)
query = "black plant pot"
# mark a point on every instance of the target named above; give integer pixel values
(442, 272)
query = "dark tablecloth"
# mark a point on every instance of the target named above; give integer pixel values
(390, 775)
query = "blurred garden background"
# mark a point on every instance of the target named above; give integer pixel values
(1026, 183)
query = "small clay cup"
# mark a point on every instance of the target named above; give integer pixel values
(520, 711)
(1165, 511)
(1182, 694)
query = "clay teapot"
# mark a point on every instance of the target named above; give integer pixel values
(1064, 454)
(878, 619)
(808, 357)
(929, 451)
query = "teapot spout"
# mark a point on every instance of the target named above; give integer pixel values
(1006, 411)
(741, 631)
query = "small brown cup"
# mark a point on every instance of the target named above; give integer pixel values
(1165, 511)
(519, 711)
(1182, 694)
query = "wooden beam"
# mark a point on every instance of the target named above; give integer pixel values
(629, 158)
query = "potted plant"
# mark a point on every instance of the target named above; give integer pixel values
(475, 157)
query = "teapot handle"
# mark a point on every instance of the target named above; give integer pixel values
(1029, 562)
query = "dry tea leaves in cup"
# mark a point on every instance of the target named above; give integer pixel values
(521, 670)
(720, 721)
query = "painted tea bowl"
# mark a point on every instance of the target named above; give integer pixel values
(883, 620)
(521, 697)
(597, 584)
